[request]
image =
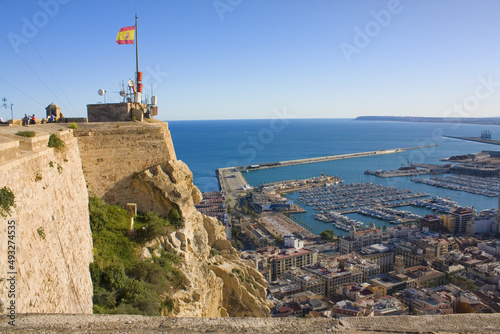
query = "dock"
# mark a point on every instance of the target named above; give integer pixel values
(412, 170)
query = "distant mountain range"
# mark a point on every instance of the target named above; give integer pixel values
(464, 120)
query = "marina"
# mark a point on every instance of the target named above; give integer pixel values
(299, 140)
(350, 197)
(441, 204)
(332, 203)
(392, 215)
(485, 186)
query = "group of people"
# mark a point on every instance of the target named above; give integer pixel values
(27, 120)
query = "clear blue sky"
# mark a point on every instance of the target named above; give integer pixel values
(246, 58)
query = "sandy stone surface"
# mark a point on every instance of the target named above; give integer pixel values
(51, 323)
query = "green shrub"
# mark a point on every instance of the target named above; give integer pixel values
(168, 304)
(151, 226)
(41, 232)
(56, 142)
(73, 125)
(214, 252)
(175, 218)
(123, 284)
(7, 201)
(26, 133)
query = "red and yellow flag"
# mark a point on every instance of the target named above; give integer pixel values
(126, 35)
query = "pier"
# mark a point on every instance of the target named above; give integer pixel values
(232, 183)
(329, 158)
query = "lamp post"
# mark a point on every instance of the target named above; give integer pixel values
(7, 107)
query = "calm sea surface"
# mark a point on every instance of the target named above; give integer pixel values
(207, 145)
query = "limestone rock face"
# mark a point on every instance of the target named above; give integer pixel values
(218, 285)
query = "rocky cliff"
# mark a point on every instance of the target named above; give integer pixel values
(136, 163)
(219, 282)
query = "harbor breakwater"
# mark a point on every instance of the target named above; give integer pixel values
(232, 181)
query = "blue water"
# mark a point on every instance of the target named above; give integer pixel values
(207, 145)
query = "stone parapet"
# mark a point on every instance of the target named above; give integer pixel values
(450, 324)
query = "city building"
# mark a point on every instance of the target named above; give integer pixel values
(433, 223)
(380, 254)
(393, 282)
(359, 239)
(367, 267)
(335, 276)
(291, 257)
(490, 247)
(283, 289)
(425, 276)
(269, 201)
(458, 220)
(358, 291)
(426, 301)
(482, 224)
(213, 205)
(306, 280)
(399, 231)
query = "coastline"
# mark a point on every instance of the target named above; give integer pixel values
(456, 120)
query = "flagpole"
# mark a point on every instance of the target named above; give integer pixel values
(136, 59)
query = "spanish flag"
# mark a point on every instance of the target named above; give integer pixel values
(126, 35)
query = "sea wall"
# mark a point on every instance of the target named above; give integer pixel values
(53, 244)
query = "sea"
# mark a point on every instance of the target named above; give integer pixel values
(208, 145)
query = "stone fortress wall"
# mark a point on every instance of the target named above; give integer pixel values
(52, 236)
(112, 152)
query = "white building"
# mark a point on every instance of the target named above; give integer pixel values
(491, 247)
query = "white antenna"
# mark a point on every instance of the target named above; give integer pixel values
(102, 92)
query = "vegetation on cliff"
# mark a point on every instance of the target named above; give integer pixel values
(28, 134)
(56, 142)
(123, 282)
(7, 201)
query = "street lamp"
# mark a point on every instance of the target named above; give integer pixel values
(7, 107)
